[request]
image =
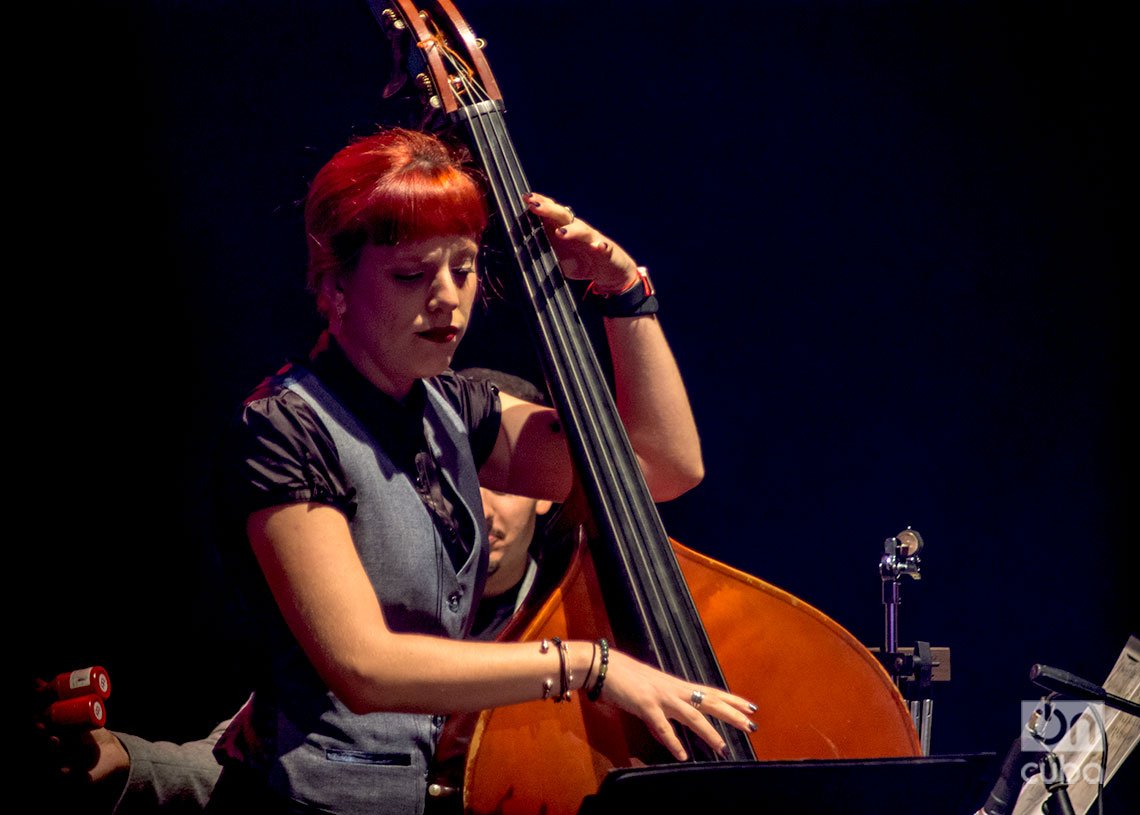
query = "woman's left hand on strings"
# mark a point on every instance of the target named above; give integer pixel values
(583, 252)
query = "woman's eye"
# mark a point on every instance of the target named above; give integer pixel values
(407, 277)
(463, 271)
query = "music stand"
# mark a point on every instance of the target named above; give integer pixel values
(932, 785)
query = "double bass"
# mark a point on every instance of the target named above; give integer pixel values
(820, 693)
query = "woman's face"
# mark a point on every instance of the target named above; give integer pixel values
(403, 311)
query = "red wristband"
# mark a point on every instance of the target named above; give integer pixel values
(635, 300)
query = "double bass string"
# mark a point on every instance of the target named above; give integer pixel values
(570, 361)
(527, 237)
(670, 625)
(666, 610)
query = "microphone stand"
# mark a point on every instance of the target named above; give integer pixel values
(900, 559)
(1063, 683)
(1053, 776)
(1014, 768)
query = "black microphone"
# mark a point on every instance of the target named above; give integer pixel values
(1058, 681)
(1065, 683)
(1008, 786)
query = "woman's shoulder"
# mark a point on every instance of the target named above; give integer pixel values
(473, 399)
(279, 451)
(274, 408)
(273, 387)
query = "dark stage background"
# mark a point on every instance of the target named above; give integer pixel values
(889, 246)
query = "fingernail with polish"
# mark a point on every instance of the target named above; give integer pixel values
(752, 727)
(751, 708)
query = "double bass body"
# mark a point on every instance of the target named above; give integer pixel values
(820, 694)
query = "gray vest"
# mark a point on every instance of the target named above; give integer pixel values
(309, 745)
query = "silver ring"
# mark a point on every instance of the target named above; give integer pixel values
(572, 215)
(696, 699)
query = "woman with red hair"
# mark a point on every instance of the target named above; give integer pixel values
(351, 492)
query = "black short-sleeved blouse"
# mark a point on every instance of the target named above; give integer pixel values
(281, 453)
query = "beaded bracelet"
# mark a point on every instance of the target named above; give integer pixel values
(593, 693)
(635, 300)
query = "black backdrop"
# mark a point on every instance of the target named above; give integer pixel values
(889, 246)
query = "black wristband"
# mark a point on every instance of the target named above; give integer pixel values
(639, 299)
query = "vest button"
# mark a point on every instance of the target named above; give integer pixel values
(437, 720)
(453, 601)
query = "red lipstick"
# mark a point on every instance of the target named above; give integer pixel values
(440, 335)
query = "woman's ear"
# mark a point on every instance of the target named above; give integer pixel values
(334, 296)
(543, 507)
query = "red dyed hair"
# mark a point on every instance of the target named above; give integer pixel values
(392, 186)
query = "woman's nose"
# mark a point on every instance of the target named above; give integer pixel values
(444, 291)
